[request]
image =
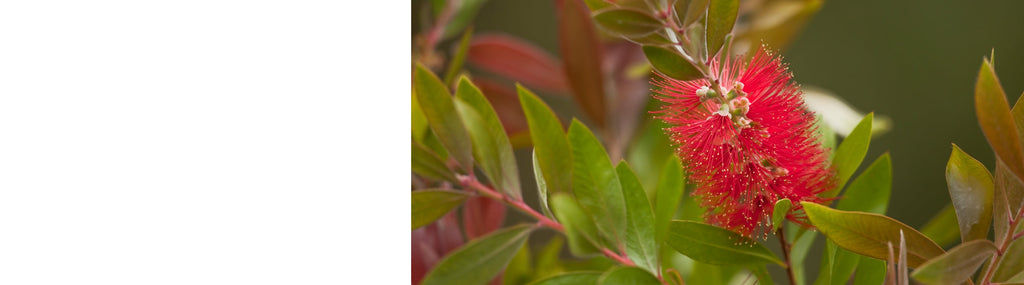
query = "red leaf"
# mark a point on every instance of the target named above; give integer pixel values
(506, 104)
(518, 60)
(581, 54)
(432, 242)
(482, 215)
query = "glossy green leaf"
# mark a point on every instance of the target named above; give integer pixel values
(1009, 194)
(996, 121)
(671, 63)
(870, 271)
(582, 55)
(549, 142)
(779, 213)
(721, 18)
(579, 228)
(430, 205)
(570, 278)
(869, 234)
(491, 146)
(957, 265)
(427, 164)
(628, 276)
(942, 228)
(669, 192)
(971, 189)
(462, 16)
(455, 65)
(627, 22)
(444, 121)
(542, 186)
(714, 245)
(480, 260)
(851, 153)
(640, 243)
(596, 185)
(870, 191)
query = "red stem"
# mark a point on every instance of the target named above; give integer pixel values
(997, 259)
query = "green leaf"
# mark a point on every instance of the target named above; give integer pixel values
(669, 192)
(579, 229)
(714, 245)
(459, 58)
(419, 121)
(690, 11)
(570, 278)
(431, 204)
(491, 146)
(721, 18)
(802, 242)
(827, 135)
(441, 115)
(547, 262)
(597, 4)
(549, 142)
(671, 64)
(427, 164)
(1009, 192)
(628, 275)
(596, 185)
(957, 265)
(779, 213)
(841, 265)
(640, 242)
(1010, 266)
(850, 154)
(582, 55)
(462, 17)
(870, 191)
(996, 121)
(763, 278)
(971, 189)
(542, 186)
(480, 260)
(627, 22)
(942, 228)
(519, 269)
(870, 271)
(869, 234)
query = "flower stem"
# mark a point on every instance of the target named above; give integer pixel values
(785, 254)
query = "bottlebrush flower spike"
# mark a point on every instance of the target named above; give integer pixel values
(745, 144)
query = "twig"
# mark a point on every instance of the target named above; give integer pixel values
(785, 254)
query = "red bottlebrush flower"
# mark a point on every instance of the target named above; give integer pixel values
(745, 144)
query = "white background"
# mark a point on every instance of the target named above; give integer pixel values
(204, 142)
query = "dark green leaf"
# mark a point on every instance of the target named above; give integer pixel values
(870, 191)
(957, 265)
(714, 245)
(579, 228)
(971, 189)
(652, 39)
(996, 121)
(869, 234)
(779, 213)
(870, 271)
(463, 15)
(582, 56)
(763, 278)
(519, 269)
(570, 278)
(851, 153)
(491, 146)
(549, 142)
(459, 58)
(443, 119)
(480, 260)
(669, 192)
(640, 242)
(627, 22)
(689, 11)
(671, 64)
(597, 4)
(542, 186)
(427, 164)
(628, 276)
(548, 262)
(596, 185)
(720, 20)
(841, 265)
(429, 205)
(942, 228)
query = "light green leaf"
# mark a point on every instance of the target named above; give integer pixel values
(828, 136)
(870, 271)
(801, 245)
(419, 121)
(870, 191)
(850, 154)
(431, 204)
(579, 228)
(519, 269)
(779, 213)
(628, 276)
(640, 243)
(714, 245)
(427, 164)
(455, 65)
(491, 146)
(957, 265)
(441, 116)
(669, 192)
(869, 234)
(542, 186)
(942, 228)
(478, 261)
(996, 121)
(596, 185)
(627, 22)
(549, 142)
(721, 18)
(570, 278)
(971, 189)
(671, 64)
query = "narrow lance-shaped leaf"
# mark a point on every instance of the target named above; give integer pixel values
(520, 61)
(579, 228)
(480, 260)
(429, 165)
(1009, 192)
(670, 63)
(640, 243)
(582, 56)
(714, 245)
(996, 121)
(957, 265)
(441, 116)
(627, 22)
(870, 271)
(570, 278)
(429, 205)
(971, 189)
(942, 228)
(870, 191)
(720, 19)
(850, 154)
(669, 192)
(491, 146)
(596, 185)
(455, 65)
(462, 16)
(419, 121)
(868, 234)
(693, 10)
(549, 142)
(628, 275)
(542, 186)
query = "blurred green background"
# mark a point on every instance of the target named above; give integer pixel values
(913, 61)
